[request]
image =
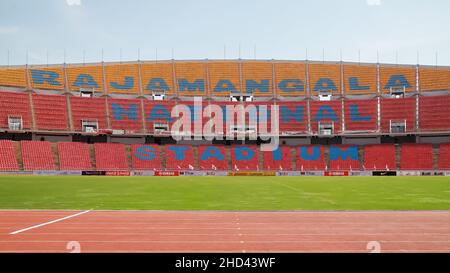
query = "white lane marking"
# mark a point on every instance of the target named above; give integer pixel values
(48, 223)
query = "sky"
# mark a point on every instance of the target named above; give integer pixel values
(77, 31)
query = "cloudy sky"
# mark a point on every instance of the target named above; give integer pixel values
(399, 30)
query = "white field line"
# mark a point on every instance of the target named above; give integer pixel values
(51, 222)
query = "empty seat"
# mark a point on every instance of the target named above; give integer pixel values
(416, 157)
(50, 112)
(398, 110)
(433, 113)
(379, 157)
(293, 117)
(278, 160)
(360, 79)
(145, 157)
(361, 115)
(310, 158)
(212, 157)
(125, 114)
(110, 157)
(179, 157)
(244, 157)
(14, 104)
(8, 160)
(37, 155)
(444, 156)
(257, 78)
(88, 109)
(224, 78)
(74, 156)
(344, 157)
(191, 78)
(290, 79)
(326, 113)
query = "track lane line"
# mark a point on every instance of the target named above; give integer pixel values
(50, 222)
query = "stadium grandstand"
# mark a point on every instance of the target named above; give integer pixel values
(333, 116)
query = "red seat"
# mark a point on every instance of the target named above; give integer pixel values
(310, 158)
(37, 155)
(398, 110)
(244, 157)
(14, 104)
(8, 160)
(379, 157)
(344, 163)
(444, 156)
(278, 160)
(88, 109)
(125, 114)
(212, 157)
(179, 157)
(74, 156)
(416, 157)
(110, 157)
(50, 112)
(434, 113)
(146, 157)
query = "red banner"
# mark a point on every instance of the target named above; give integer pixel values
(167, 173)
(337, 173)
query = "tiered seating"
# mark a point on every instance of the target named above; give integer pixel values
(158, 112)
(110, 157)
(86, 76)
(433, 113)
(344, 157)
(278, 160)
(125, 115)
(50, 112)
(244, 157)
(398, 110)
(8, 160)
(212, 157)
(326, 112)
(325, 77)
(397, 77)
(257, 78)
(379, 157)
(361, 115)
(88, 109)
(310, 158)
(294, 76)
(37, 156)
(416, 157)
(74, 156)
(179, 157)
(51, 78)
(360, 79)
(122, 79)
(224, 78)
(13, 77)
(434, 79)
(157, 77)
(444, 157)
(145, 157)
(14, 104)
(191, 78)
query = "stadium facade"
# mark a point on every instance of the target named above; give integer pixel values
(332, 116)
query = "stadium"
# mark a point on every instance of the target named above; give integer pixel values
(224, 155)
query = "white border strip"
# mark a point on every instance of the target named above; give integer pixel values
(51, 222)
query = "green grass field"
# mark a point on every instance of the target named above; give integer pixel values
(225, 193)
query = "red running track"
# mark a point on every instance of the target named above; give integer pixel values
(198, 231)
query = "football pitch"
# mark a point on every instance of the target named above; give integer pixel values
(225, 193)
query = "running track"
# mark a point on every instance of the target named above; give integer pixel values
(175, 231)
